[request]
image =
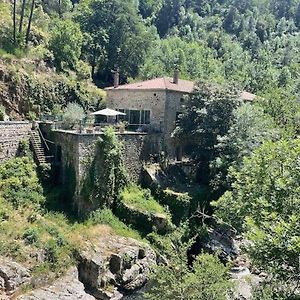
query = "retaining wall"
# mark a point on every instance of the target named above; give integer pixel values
(75, 148)
(11, 133)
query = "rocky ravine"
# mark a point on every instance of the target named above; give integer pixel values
(108, 270)
(116, 269)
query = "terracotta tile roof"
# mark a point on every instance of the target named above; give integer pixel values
(163, 83)
(166, 83)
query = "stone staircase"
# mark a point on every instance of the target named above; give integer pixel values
(39, 148)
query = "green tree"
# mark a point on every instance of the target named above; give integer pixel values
(72, 115)
(65, 43)
(150, 8)
(250, 128)
(284, 108)
(207, 279)
(194, 60)
(114, 30)
(267, 183)
(208, 115)
(264, 204)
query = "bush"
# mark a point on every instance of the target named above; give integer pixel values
(24, 148)
(141, 200)
(178, 203)
(31, 236)
(83, 70)
(207, 279)
(31, 116)
(72, 115)
(19, 183)
(51, 251)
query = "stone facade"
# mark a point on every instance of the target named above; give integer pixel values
(73, 149)
(164, 105)
(138, 100)
(174, 106)
(11, 134)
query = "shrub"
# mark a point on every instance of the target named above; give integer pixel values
(207, 279)
(19, 183)
(31, 236)
(31, 116)
(72, 115)
(178, 203)
(24, 148)
(51, 251)
(83, 70)
(141, 199)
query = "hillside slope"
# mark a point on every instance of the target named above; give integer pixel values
(29, 88)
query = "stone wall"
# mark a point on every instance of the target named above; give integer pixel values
(174, 104)
(140, 100)
(163, 105)
(76, 148)
(11, 133)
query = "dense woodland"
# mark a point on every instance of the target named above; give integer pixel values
(247, 155)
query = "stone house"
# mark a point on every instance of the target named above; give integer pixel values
(154, 106)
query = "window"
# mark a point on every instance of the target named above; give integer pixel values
(135, 117)
(145, 117)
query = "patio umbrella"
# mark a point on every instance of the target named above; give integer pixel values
(108, 113)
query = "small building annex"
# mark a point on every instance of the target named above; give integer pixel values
(154, 105)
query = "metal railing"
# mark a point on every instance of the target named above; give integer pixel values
(90, 126)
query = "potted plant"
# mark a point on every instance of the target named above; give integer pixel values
(122, 126)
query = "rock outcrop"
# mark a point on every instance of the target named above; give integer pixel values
(12, 276)
(229, 248)
(65, 288)
(115, 267)
(109, 269)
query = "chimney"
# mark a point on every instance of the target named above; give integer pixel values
(116, 78)
(176, 76)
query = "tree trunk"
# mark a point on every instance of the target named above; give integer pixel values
(14, 20)
(59, 8)
(22, 15)
(93, 65)
(29, 22)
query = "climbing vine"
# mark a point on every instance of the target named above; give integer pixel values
(106, 175)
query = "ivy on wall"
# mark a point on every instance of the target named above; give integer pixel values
(106, 175)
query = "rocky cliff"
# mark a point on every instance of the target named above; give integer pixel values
(108, 269)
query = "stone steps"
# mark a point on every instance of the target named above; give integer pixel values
(38, 148)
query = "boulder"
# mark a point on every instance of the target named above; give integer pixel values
(12, 275)
(115, 266)
(65, 288)
(244, 282)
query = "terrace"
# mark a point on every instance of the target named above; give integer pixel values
(123, 122)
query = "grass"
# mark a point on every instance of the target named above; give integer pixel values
(28, 230)
(141, 200)
(106, 217)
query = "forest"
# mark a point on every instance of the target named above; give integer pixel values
(247, 155)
